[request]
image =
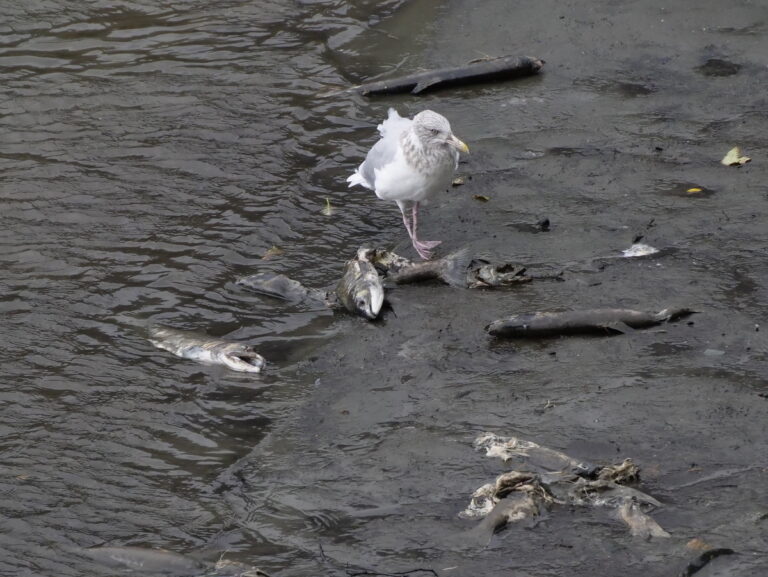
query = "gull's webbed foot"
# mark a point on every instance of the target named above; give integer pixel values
(424, 247)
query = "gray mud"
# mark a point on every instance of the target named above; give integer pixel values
(152, 153)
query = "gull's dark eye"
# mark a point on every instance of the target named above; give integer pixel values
(435, 131)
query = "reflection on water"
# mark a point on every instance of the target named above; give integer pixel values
(152, 153)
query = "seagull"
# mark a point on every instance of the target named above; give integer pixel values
(412, 161)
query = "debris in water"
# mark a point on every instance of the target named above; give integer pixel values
(639, 249)
(549, 478)
(273, 252)
(718, 67)
(481, 198)
(495, 69)
(327, 209)
(458, 181)
(694, 190)
(734, 157)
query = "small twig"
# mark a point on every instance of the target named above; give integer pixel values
(400, 574)
(322, 552)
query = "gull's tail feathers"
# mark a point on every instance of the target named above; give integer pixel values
(358, 178)
(394, 124)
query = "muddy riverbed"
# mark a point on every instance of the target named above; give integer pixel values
(151, 153)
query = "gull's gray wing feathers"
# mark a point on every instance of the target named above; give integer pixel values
(383, 152)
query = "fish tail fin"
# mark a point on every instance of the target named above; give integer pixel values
(672, 314)
(453, 270)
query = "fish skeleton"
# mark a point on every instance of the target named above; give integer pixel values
(604, 321)
(451, 269)
(197, 347)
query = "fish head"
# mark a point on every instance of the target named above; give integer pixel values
(368, 298)
(243, 358)
(361, 290)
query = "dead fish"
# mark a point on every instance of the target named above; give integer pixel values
(601, 321)
(279, 286)
(557, 479)
(147, 561)
(451, 269)
(360, 289)
(517, 507)
(203, 348)
(640, 524)
(503, 68)
(488, 275)
(236, 569)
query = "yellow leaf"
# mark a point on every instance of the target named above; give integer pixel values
(693, 190)
(272, 252)
(327, 210)
(481, 198)
(734, 157)
(458, 181)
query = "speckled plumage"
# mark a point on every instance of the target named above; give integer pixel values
(413, 160)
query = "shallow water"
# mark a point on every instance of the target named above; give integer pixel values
(152, 153)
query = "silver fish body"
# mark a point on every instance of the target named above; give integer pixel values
(197, 347)
(276, 286)
(601, 321)
(360, 289)
(146, 561)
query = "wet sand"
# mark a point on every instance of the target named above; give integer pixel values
(605, 143)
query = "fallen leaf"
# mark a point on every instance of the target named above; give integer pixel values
(734, 157)
(481, 198)
(327, 210)
(694, 190)
(458, 181)
(272, 252)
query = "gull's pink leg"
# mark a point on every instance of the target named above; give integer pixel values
(423, 247)
(401, 206)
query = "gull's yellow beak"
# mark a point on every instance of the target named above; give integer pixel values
(458, 144)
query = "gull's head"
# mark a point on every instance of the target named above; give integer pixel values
(433, 129)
